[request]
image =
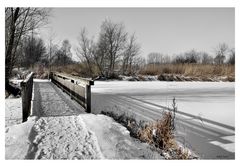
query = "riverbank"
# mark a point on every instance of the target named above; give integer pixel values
(170, 78)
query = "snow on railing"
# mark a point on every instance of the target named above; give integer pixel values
(78, 88)
(26, 93)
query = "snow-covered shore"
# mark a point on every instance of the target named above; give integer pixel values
(85, 136)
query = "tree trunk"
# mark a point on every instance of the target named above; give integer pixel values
(8, 58)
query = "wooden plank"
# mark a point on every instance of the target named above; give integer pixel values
(80, 80)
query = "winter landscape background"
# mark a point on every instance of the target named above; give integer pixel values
(135, 81)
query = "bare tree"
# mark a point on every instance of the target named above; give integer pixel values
(192, 56)
(132, 50)
(63, 56)
(85, 49)
(11, 15)
(111, 51)
(112, 40)
(100, 56)
(166, 59)
(231, 59)
(137, 64)
(155, 58)
(66, 50)
(19, 22)
(206, 58)
(179, 59)
(188, 57)
(221, 52)
(33, 51)
(52, 35)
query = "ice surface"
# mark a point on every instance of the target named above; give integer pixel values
(210, 107)
(211, 100)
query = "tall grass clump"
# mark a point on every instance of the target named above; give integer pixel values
(159, 134)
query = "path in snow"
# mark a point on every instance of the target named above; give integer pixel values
(49, 100)
(63, 138)
(57, 131)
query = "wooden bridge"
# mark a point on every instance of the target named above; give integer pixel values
(48, 98)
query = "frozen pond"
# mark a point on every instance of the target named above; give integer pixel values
(211, 100)
(206, 110)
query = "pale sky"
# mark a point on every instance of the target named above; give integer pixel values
(165, 30)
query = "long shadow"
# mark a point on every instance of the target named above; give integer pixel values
(157, 113)
(197, 137)
(186, 114)
(33, 147)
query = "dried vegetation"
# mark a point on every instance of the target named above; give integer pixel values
(159, 134)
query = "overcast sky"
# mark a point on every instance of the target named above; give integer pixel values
(165, 30)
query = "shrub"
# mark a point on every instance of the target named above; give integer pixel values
(159, 134)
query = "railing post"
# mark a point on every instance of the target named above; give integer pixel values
(88, 99)
(26, 93)
(24, 102)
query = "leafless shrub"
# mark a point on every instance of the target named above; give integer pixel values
(159, 134)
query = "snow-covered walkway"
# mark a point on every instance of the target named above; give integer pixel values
(59, 129)
(63, 138)
(49, 100)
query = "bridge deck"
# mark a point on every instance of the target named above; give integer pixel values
(49, 100)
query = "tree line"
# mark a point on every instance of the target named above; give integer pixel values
(222, 55)
(114, 52)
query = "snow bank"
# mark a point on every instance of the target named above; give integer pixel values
(51, 138)
(13, 111)
(17, 141)
(63, 138)
(16, 81)
(115, 141)
(86, 136)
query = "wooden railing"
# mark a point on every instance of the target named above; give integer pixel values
(26, 93)
(78, 88)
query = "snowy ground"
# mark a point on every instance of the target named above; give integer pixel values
(58, 129)
(114, 139)
(86, 136)
(17, 141)
(13, 111)
(206, 119)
